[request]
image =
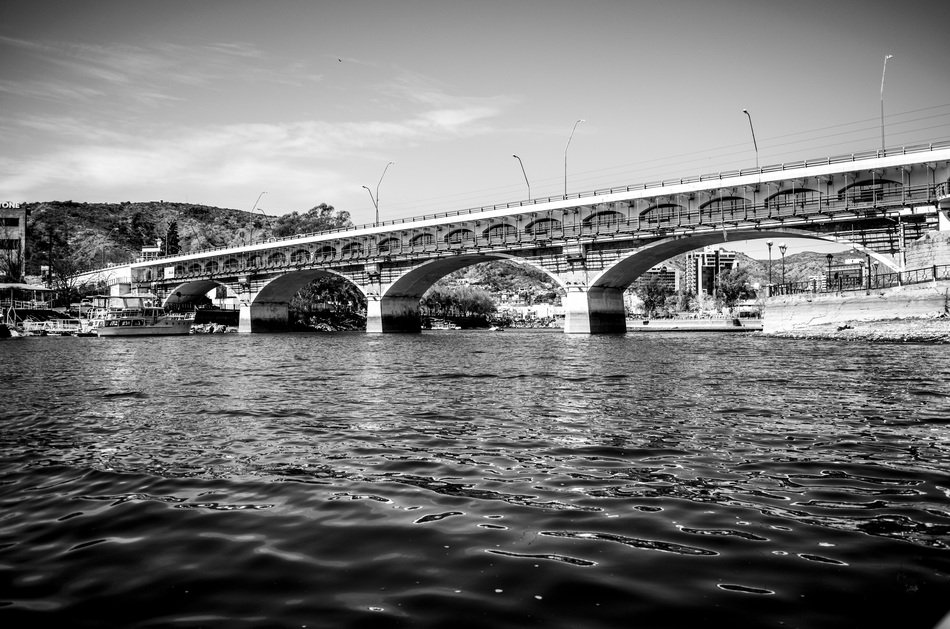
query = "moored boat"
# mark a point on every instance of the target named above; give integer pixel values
(140, 315)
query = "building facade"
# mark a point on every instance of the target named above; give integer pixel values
(703, 267)
(12, 241)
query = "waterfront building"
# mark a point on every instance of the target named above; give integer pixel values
(702, 268)
(13, 241)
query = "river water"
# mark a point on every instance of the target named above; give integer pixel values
(473, 479)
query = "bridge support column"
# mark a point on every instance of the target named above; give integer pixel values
(594, 311)
(264, 317)
(392, 314)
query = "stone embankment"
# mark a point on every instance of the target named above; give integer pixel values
(917, 330)
(908, 314)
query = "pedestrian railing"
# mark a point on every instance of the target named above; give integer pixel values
(871, 281)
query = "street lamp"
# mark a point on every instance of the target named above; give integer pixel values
(525, 175)
(782, 247)
(769, 243)
(376, 198)
(828, 280)
(883, 72)
(565, 153)
(250, 236)
(756, 146)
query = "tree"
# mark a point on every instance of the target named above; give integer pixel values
(320, 218)
(732, 285)
(653, 293)
(330, 302)
(685, 300)
(172, 241)
(457, 301)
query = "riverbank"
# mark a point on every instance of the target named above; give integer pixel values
(910, 330)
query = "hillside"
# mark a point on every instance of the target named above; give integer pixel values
(95, 234)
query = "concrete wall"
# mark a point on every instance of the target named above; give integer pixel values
(783, 314)
(931, 248)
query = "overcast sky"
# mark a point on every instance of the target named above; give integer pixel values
(217, 101)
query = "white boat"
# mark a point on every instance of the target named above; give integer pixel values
(93, 311)
(140, 315)
(58, 326)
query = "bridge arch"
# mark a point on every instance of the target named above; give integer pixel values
(269, 306)
(716, 209)
(543, 227)
(425, 239)
(300, 256)
(186, 294)
(389, 245)
(627, 269)
(352, 250)
(502, 232)
(459, 236)
(606, 219)
(791, 198)
(662, 215)
(870, 190)
(397, 308)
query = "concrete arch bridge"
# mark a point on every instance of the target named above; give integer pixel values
(593, 244)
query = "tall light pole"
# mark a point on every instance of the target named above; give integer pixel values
(565, 153)
(769, 243)
(883, 72)
(258, 201)
(376, 198)
(525, 175)
(373, 199)
(250, 236)
(782, 247)
(754, 144)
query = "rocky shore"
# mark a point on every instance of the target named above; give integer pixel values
(909, 330)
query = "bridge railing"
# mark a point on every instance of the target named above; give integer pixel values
(838, 159)
(871, 281)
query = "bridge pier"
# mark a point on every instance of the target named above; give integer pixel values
(596, 310)
(264, 317)
(392, 314)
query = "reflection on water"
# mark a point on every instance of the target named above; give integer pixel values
(477, 479)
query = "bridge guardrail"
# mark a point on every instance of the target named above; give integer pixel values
(873, 281)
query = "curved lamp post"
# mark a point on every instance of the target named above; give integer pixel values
(883, 72)
(565, 153)
(376, 198)
(525, 175)
(250, 237)
(754, 145)
(782, 247)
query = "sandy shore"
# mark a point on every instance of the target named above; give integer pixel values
(916, 330)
